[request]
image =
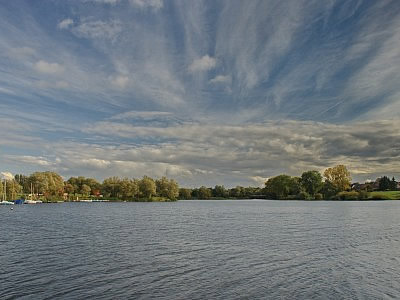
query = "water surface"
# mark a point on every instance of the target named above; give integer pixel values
(201, 250)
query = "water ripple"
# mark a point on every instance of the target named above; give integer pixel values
(201, 250)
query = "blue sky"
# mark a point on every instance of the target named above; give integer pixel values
(206, 92)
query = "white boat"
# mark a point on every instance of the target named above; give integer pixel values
(6, 203)
(29, 201)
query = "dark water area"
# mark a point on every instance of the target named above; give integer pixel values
(201, 250)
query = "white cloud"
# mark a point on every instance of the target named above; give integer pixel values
(258, 151)
(98, 29)
(223, 79)
(65, 24)
(229, 154)
(204, 63)
(154, 4)
(95, 163)
(7, 175)
(259, 181)
(48, 68)
(120, 81)
(30, 160)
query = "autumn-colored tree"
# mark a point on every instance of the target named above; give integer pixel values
(50, 184)
(339, 177)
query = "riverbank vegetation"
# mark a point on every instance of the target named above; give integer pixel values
(333, 184)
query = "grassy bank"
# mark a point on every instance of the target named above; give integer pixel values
(389, 195)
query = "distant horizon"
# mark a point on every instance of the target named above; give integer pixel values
(203, 92)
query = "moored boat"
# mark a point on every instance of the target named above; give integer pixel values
(6, 203)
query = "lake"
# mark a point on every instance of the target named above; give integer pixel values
(201, 250)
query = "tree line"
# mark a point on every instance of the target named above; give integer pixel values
(334, 183)
(50, 186)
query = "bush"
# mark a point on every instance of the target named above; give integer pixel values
(318, 196)
(353, 195)
(303, 196)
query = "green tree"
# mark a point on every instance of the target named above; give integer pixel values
(279, 187)
(237, 192)
(329, 190)
(147, 187)
(311, 182)
(111, 187)
(384, 183)
(167, 188)
(85, 189)
(23, 180)
(69, 188)
(50, 184)
(339, 177)
(393, 184)
(129, 188)
(173, 190)
(79, 182)
(204, 193)
(185, 194)
(11, 188)
(220, 191)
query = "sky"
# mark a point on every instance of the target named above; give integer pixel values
(205, 92)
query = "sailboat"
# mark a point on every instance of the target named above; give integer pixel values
(4, 200)
(30, 201)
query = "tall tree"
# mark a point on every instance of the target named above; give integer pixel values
(393, 184)
(50, 184)
(85, 190)
(204, 193)
(311, 182)
(112, 187)
(384, 183)
(279, 187)
(13, 189)
(185, 194)
(129, 188)
(220, 191)
(147, 187)
(339, 177)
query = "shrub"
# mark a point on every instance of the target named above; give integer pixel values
(353, 195)
(318, 196)
(303, 196)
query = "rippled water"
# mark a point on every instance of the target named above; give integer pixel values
(201, 250)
